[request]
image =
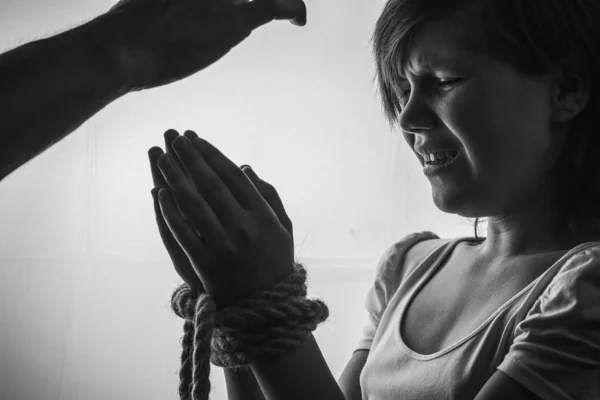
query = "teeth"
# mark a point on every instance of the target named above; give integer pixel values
(440, 155)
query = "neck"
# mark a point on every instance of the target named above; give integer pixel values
(541, 233)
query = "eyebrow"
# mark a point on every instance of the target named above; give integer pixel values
(444, 59)
(430, 61)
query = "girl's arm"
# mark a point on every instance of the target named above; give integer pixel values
(298, 375)
(242, 385)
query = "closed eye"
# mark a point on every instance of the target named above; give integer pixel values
(444, 84)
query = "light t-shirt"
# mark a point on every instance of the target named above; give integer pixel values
(546, 337)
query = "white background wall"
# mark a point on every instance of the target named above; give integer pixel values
(85, 281)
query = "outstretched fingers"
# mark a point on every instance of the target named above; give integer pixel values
(259, 12)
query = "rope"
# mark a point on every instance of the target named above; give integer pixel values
(266, 325)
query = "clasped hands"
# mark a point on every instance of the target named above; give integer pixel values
(225, 229)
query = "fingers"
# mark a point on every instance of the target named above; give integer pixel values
(269, 193)
(158, 179)
(177, 254)
(165, 233)
(155, 152)
(225, 187)
(191, 135)
(260, 12)
(183, 233)
(293, 10)
(192, 204)
(169, 136)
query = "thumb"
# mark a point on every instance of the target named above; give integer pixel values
(259, 12)
(271, 196)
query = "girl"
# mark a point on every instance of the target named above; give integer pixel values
(497, 100)
(503, 94)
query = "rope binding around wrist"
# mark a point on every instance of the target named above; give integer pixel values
(265, 325)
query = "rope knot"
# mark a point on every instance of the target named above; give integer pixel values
(267, 324)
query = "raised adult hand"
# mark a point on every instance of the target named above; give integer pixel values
(237, 241)
(157, 42)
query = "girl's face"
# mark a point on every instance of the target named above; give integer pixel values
(498, 119)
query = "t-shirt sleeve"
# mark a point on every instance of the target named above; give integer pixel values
(556, 350)
(387, 281)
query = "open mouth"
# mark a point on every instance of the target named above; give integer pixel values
(449, 156)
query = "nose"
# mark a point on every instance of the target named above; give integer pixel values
(417, 116)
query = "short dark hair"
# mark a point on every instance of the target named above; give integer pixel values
(534, 36)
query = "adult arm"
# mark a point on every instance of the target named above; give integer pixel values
(50, 87)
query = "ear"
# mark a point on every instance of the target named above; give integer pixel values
(571, 92)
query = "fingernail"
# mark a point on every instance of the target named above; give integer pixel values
(245, 166)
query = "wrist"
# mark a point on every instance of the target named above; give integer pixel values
(242, 384)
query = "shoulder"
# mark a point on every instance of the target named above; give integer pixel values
(584, 262)
(583, 265)
(556, 345)
(414, 245)
(571, 295)
(417, 252)
(406, 253)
